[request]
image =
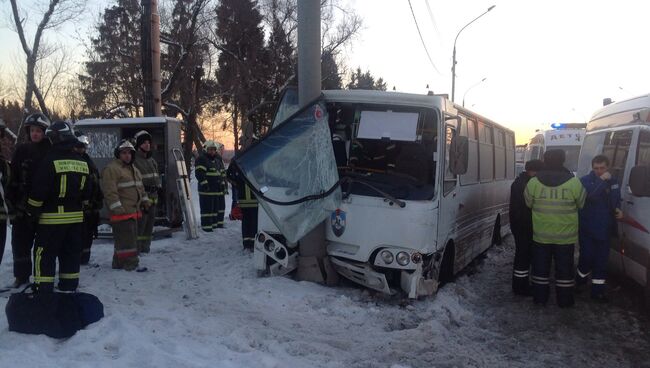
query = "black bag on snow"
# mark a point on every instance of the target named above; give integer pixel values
(57, 315)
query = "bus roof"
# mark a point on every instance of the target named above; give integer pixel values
(618, 114)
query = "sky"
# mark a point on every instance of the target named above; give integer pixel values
(543, 61)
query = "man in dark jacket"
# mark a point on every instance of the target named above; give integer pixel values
(24, 163)
(597, 221)
(521, 225)
(208, 169)
(95, 203)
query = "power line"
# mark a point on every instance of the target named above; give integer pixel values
(422, 39)
(433, 20)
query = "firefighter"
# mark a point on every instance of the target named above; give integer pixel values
(24, 162)
(95, 203)
(208, 170)
(55, 203)
(554, 195)
(151, 180)
(521, 225)
(248, 204)
(5, 178)
(597, 221)
(124, 195)
(221, 199)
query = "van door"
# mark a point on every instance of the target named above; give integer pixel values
(293, 172)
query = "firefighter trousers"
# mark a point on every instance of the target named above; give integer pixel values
(593, 259)
(221, 210)
(125, 234)
(562, 255)
(62, 242)
(3, 237)
(249, 226)
(91, 221)
(145, 229)
(209, 210)
(521, 267)
(23, 232)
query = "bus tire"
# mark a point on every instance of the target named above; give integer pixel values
(497, 239)
(446, 273)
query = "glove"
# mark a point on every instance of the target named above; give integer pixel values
(606, 176)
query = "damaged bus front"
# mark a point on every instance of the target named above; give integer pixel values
(384, 172)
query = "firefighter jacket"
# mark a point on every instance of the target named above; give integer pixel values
(521, 221)
(603, 197)
(245, 196)
(210, 173)
(96, 200)
(554, 196)
(148, 168)
(60, 188)
(24, 163)
(5, 205)
(123, 190)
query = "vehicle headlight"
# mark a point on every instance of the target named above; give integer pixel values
(386, 256)
(403, 258)
(269, 245)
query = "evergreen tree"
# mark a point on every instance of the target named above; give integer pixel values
(365, 80)
(330, 72)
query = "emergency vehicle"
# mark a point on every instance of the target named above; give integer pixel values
(621, 131)
(411, 188)
(520, 157)
(567, 137)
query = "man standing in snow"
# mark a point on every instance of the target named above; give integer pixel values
(148, 168)
(597, 220)
(521, 225)
(208, 169)
(554, 196)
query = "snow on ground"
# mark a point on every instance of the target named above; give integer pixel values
(201, 305)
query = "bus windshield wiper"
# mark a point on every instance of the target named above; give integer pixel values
(388, 197)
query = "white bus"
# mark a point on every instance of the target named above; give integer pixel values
(567, 137)
(621, 131)
(411, 187)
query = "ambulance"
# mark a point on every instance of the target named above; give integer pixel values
(567, 137)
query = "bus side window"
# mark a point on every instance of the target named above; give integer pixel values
(510, 156)
(471, 176)
(486, 152)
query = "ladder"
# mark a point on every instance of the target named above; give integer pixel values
(185, 196)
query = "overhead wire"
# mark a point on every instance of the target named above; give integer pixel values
(422, 39)
(433, 20)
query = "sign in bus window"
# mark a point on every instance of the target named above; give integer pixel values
(395, 126)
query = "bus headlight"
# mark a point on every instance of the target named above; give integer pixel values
(403, 258)
(269, 245)
(386, 256)
(261, 238)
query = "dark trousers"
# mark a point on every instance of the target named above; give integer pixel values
(91, 221)
(23, 233)
(62, 242)
(221, 210)
(521, 268)
(145, 228)
(3, 237)
(562, 255)
(208, 204)
(593, 259)
(249, 226)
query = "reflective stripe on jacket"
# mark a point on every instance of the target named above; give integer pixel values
(148, 168)
(122, 187)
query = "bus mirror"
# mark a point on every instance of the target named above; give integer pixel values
(640, 181)
(458, 154)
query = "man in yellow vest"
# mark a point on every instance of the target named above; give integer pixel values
(554, 197)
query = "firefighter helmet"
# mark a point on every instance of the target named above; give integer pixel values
(140, 137)
(38, 120)
(82, 139)
(60, 132)
(210, 144)
(124, 144)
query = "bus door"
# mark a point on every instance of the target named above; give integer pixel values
(449, 203)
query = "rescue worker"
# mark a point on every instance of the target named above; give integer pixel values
(554, 195)
(521, 225)
(248, 203)
(221, 199)
(597, 221)
(95, 203)
(209, 173)
(55, 203)
(5, 178)
(24, 163)
(148, 168)
(124, 195)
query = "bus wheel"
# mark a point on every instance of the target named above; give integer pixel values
(446, 273)
(496, 232)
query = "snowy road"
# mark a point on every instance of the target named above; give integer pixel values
(201, 305)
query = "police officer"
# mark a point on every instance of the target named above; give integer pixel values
(209, 173)
(521, 225)
(95, 203)
(56, 203)
(125, 196)
(597, 221)
(554, 196)
(148, 168)
(5, 178)
(24, 163)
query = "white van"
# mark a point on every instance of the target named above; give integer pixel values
(621, 131)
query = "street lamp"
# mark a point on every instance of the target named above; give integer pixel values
(453, 64)
(474, 85)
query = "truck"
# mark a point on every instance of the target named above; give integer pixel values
(411, 188)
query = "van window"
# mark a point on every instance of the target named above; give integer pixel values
(643, 151)
(591, 146)
(616, 148)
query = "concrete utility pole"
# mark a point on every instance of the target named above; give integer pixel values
(150, 50)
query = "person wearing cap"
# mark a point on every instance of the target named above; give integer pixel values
(124, 196)
(554, 196)
(209, 173)
(24, 163)
(55, 203)
(5, 178)
(521, 226)
(148, 168)
(95, 202)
